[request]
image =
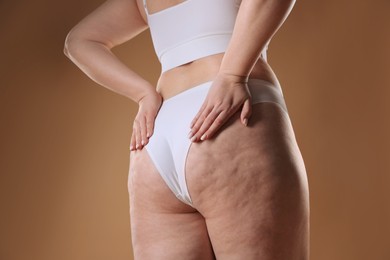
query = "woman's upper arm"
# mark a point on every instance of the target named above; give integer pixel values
(112, 23)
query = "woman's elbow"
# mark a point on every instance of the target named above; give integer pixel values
(70, 42)
(73, 42)
(66, 47)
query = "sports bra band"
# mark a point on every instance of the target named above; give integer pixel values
(192, 29)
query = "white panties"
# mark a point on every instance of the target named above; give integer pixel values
(169, 145)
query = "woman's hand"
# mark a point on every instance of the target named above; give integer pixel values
(227, 94)
(143, 124)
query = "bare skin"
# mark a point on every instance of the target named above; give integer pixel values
(248, 208)
(248, 183)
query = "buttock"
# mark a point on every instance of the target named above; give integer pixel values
(169, 145)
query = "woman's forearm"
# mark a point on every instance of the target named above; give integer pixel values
(257, 21)
(98, 62)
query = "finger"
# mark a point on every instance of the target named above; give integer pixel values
(200, 121)
(198, 114)
(149, 126)
(143, 131)
(132, 141)
(216, 125)
(137, 133)
(246, 111)
(211, 124)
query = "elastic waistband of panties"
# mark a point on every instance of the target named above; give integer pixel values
(208, 83)
(188, 91)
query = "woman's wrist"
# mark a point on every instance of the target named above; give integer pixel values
(145, 91)
(232, 77)
(149, 92)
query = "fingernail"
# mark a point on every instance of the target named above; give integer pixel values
(193, 138)
(131, 147)
(142, 142)
(147, 135)
(203, 137)
(190, 134)
(136, 146)
(246, 121)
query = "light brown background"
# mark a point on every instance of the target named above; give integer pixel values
(64, 139)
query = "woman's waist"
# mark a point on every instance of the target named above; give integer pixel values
(184, 77)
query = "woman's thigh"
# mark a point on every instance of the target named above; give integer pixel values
(162, 227)
(250, 184)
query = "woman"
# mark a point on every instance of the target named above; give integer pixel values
(221, 175)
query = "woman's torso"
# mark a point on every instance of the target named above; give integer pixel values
(185, 76)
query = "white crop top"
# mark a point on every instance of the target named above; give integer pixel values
(192, 29)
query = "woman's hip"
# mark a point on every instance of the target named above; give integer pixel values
(241, 161)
